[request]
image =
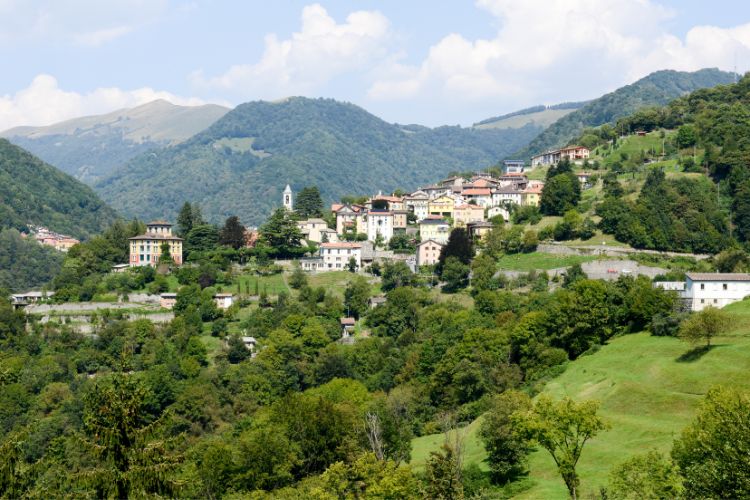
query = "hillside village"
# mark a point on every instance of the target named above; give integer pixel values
(568, 323)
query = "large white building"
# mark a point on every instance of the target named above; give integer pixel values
(379, 222)
(715, 289)
(336, 256)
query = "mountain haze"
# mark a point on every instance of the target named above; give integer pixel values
(241, 163)
(34, 193)
(656, 89)
(90, 147)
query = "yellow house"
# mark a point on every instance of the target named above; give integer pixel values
(145, 249)
(532, 195)
(464, 214)
(442, 206)
(434, 229)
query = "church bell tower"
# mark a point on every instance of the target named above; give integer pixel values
(288, 198)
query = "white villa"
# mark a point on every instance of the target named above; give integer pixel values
(701, 290)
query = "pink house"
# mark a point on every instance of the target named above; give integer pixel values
(428, 253)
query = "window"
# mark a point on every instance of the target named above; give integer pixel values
(703, 286)
(715, 301)
(703, 301)
(724, 286)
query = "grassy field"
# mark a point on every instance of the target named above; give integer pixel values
(273, 284)
(337, 281)
(649, 392)
(540, 261)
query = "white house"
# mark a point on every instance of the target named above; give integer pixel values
(336, 256)
(715, 289)
(224, 300)
(505, 195)
(495, 211)
(417, 202)
(379, 222)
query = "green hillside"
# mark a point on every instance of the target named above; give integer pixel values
(35, 193)
(90, 147)
(649, 392)
(24, 263)
(539, 116)
(655, 89)
(339, 147)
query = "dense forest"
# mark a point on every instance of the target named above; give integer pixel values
(691, 213)
(141, 409)
(655, 89)
(240, 164)
(34, 193)
(24, 263)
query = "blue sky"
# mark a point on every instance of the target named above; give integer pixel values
(447, 62)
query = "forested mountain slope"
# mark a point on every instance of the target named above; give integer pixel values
(656, 89)
(35, 193)
(240, 164)
(92, 146)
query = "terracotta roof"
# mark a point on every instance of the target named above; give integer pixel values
(477, 191)
(348, 321)
(718, 276)
(159, 222)
(387, 198)
(335, 207)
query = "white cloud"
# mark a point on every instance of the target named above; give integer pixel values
(43, 102)
(79, 22)
(555, 49)
(322, 50)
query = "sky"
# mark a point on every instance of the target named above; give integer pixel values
(407, 61)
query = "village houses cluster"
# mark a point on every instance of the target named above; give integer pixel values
(430, 212)
(47, 237)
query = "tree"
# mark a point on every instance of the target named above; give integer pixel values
(712, 452)
(396, 274)
(560, 194)
(402, 242)
(572, 274)
(506, 449)
(281, 233)
(459, 245)
(309, 203)
(686, 136)
(351, 266)
(357, 296)
(130, 461)
(298, 279)
(233, 233)
(650, 475)
(185, 220)
(483, 270)
(202, 238)
(443, 475)
(704, 325)
(455, 274)
(562, 428)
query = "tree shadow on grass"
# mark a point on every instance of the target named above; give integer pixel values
(695, 353)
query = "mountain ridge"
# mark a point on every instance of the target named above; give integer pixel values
(655, 89)
(91, 147)
(35, 193)
(338, 146)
